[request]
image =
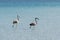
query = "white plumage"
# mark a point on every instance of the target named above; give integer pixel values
(34, 23)
(15, 21)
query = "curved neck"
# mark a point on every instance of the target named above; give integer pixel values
(36, 21)
(17, 18)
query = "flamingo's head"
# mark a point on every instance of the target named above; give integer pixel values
(36, 18)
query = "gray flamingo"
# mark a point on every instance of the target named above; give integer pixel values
(33, 24)
(16, 21)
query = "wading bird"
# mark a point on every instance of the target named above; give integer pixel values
(16, 21)
(33, 24)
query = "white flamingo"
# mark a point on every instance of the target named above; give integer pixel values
(33, 24)
(16, 21)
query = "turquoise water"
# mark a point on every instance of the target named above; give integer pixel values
(29, 4)
(48, 27)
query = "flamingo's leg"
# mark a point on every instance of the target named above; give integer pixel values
(30, 27)
(16, 25)
(13, 25)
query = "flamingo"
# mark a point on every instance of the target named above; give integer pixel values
(33, 24)
(16, 21)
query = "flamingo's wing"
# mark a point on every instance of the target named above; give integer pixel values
(32, 24)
